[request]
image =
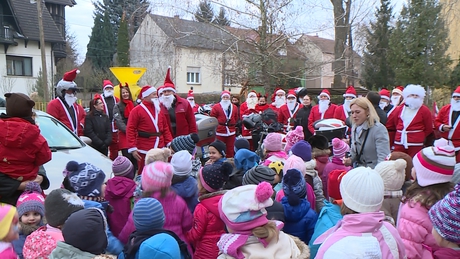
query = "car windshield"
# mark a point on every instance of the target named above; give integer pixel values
(57, 135)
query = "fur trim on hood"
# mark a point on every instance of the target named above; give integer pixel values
(304, 250)
(315, 152)
(212, 194)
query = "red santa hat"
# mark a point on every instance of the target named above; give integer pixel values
(67, 81)
(384, 94)
(456, 92)
(325, 92)
(225, 92)
(252, 94)
(71, 75)
(106, 83)
(291, 93)
(350, 92)
(398, 89)
(168, 84)
(277, 90)
(146, 91)
(414, 89)
(190, 94)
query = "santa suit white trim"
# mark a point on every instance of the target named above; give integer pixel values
(74, 127)
(404, 131)
(451, 131)
(228, 116)
(155, 123)
(107, 111)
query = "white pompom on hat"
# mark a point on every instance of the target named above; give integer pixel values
(414, 89)
(393, 173)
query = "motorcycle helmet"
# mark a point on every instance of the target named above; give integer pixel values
(252, 120)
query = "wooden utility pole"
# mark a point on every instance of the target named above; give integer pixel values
(43, 50)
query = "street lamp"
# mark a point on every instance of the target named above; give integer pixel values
(42, 48)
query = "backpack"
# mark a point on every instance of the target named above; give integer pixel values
(327, 218)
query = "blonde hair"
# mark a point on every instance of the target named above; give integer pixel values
(268, 231)
(367, 106)
(344, 210)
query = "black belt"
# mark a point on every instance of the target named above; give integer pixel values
(144, 134)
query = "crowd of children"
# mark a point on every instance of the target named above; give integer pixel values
(297, 201)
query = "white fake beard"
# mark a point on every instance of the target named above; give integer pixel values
(225, 104)
(346, 105)
(383, 105)
(291, 104)
(251, 102)
(455, 104)
(323, 105)
(414, 103)
(192, 103)
(395, 100)
(108, 93)
(279, 101)
(156, 104)
(70, 99)
(167, 101)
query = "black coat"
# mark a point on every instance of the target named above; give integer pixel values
(98, 129)
(301, 119)
(275, 212)
(382, 114)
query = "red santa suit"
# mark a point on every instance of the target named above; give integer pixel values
(147, 128)
(409, 128)
(191, 100)
(227, 120)
(71, 116)
(274, 106)
(261, 108)
(285, 115)
(315, 115)
(110, 102)
(340, 112)
(447, 116)
(182, 121)
(244, 112)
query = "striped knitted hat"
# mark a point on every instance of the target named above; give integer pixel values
(434, 165)
(156, 176)
(445, 216)
(187, 142)
(259, 174)
(148, 214)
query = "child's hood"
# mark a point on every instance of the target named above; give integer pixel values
(187, 188)
(119, 187)
(295, 213)
(18, 133)
(211, 202)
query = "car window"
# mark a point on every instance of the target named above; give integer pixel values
(57, 135)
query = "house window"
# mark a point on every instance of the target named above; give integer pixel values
(18, 66)
(193, 75)
(230, 79)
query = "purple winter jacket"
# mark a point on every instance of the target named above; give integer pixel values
(178, 217)
(359, 234)
(335, 163)
(118, 193)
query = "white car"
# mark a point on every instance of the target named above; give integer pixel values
(66, 146)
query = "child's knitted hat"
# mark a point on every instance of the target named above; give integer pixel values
(220, 147)
(241, 143)
(86, 179)
(333, 183)
(302, 149)
(157, 154)
(434, 165)
(293, 137)
(339, 148)
(121, 166)
(445, 216)
(7, 213)
(295, 162)
(294, 186)
(214, 176)
(187, 142)
(243, 208)
(182, 163)
(59, 205)
(259, 174)
(273, 142)
(31, 200)
(392, 173)
(148, 214)
(156, 176)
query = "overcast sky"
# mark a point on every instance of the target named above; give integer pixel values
(314, 17)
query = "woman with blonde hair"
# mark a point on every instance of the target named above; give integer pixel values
(370, 143)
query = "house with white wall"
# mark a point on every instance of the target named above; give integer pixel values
(195, 51)
(20, 57)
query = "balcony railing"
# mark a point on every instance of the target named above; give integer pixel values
(6, 35)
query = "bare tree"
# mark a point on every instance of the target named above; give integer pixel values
(7, 83)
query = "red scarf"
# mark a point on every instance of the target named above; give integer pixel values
(129, 106)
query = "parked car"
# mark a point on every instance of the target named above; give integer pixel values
(66, 146)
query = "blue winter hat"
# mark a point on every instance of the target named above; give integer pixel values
(148, 214)
(301, 149)
(245, 159)
(86, 180)
(294, 186)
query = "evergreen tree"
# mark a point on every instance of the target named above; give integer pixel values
(204, 13)
(39, 86)
(123, 44)
(377, 70)
(221, 19)
(101, 46)
(455, 77)
(418, 45)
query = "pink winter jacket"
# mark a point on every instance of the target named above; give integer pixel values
(414, 226)
(178, 217)
(359, 234)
